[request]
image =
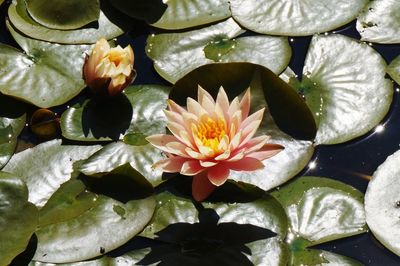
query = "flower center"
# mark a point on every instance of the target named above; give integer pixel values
(210, 132)
(115, 57)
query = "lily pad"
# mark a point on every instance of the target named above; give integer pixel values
(139, 110)
(176, 54)
(345, 87)
(382, 203)
(18, 217)
(48, 74)
(321, 210)
(394, 69)
(282, 104)
(9, 131)
(140, 157)
(182, 14)
(45, 167)
(22, 21)
(294, 18)
(323, 258)
(150, 10)
(79, 238)
(63, 15)
(181, 216)
(379, 22)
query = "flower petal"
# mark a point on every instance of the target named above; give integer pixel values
(174, 107)
(195, 108)
(171, 165)
(203, 96)
(201, 187)
(208, 163)
(256, 143)
(191, 167)
(253, 117)
(266, 152)
(161, 140)
(246, 164)
(245, 104)
(218, 174)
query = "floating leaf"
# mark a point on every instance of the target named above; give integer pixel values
(18, 217)
(182, 14)
(140, 157)
(321, 210)
(345, 87)
(176, 54)
(294, 18)
(22, 21)
(394, 69)
(322, 257)
(150, 10)
(280, 101)
(382, 203)
(178, 220)
(379, 22)
(102, 228)
(45, 167)
(48, 74)
(12, 121)
(63, 15)
(138, 110)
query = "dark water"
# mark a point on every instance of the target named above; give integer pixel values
(350, 163)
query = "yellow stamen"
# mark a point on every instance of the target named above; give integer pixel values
(210, 132)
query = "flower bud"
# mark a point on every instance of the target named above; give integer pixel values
(109, 70)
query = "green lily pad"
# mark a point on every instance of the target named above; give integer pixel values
(394, 69)
(382, 203)
(103, 227)
(18, 217)
(322, 257)
(176, 54)
(48, 74)
(45, 167)
(1, 1)
(12, 121)
(345, 87)
(140, 157)
(282, 104)
(182, 14)
(22, 21)
(150, 10)
(379, 22)
(181, 216)
(294, 18)
(139, 110)
(320, 210)
(63, 15)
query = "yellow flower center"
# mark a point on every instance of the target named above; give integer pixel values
(115, 56)
(210, 132)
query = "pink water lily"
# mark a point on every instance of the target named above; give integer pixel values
(212, 137)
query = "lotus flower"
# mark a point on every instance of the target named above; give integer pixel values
(210, 138)
(109, 69)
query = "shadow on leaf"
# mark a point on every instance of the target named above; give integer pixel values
(107, 118)
(206, 242)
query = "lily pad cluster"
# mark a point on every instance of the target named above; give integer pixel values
(87, 196)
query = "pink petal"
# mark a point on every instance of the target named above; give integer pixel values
(238, 155)
(191, 167)
(201, 187)
(218, 174)
(257, 116)
(177, 148)
(161, 140)
(195, 108)
(245, 104)
(235, 106)
(203, 95)
(172, 106)
(171, 165)
(222, 99)
(194, 154)
(256, 143)
(266, 152)
(179, 132)
(248, 132)
(208, 163)
(246, 164)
